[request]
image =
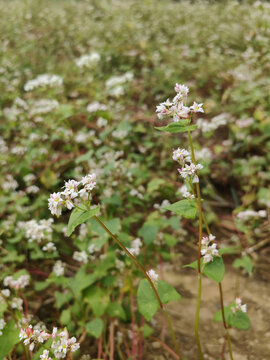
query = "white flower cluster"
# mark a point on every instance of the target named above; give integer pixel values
(176, 109)
(135, 247)
(71, 191)
(9, 183)
(96, 106)
(80, 256)
(2, 325)
(61, 343)
(251, 214)
(153, 275)
(37, 231)
(181, 155)
(216, 122)
(19, 283)
(114, 85)
(186, 194)
(238, 306)
(208, 250)
(88, 60)
(3, 146)
(44, 80)
(43, 106)
(188, 171)
(58, 268)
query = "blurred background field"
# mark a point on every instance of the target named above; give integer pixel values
(117, 60)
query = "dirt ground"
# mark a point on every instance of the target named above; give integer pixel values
(247, 345)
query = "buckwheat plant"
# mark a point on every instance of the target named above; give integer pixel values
(209, 259)
(152, 292)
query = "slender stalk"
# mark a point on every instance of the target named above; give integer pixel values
(221, 304)
(133, 258)
(172, 334)
(199, 202)
(147, 277)
(224, 321)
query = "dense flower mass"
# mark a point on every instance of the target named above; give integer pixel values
(176, 108)
(89, 60)
(209, 248)
(44, 80)
(61, 343)
(72, 189)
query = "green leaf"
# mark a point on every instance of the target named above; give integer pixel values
(148, 233)
(82, 280)
(186, 208)
(215, 269)
(98, 299)
(65, 316)
(177, 128)
(245, 262)
(147, 331)
(79, 216)
(167, 292)
(116, 310)
(8, 339)
(95, 327)
(227, 312)
(147, 301)
(170, 240)
(155, 184)
(240, 321)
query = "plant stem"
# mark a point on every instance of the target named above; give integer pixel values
(147, 277)
(199, 201)
(133, 258)
(224, 321)
(172, 333)
(221, 303)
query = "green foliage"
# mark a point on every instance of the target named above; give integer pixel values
(244, 262)
(214, 270)
(239, 319)
(79, 216)
(147, 301)
(177, 128)
(8, 339)
(95, 327)
(185, 208)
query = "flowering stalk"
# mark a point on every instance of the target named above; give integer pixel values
(199, 202)
(202, 219)
(149, 280)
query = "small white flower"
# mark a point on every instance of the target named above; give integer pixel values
(153, 275)
(182, 89)
(45, 355)
(197, 107)
(80, 256)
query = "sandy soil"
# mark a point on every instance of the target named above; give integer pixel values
(247, 345)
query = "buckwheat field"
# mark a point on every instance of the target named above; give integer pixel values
(134, 180)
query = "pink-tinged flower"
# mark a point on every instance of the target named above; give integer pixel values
(180, 112)
(183, 89)
(197, 108)
(181, 155)
(71, 188)
(153, 275)
(238, 306)
(208, 250)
